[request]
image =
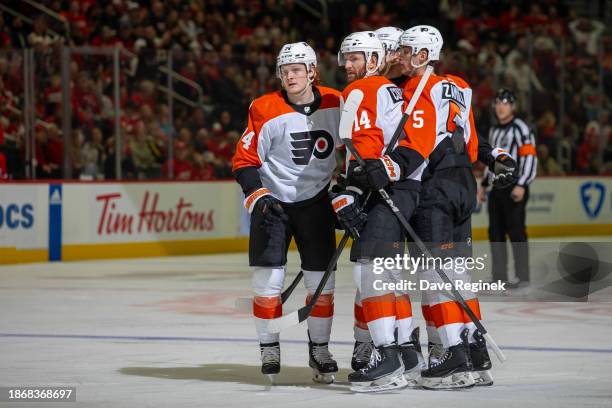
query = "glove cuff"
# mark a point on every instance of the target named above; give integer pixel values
(355, 190)
(342, 201)
(393, 169)
(498, 152)
(251, 200)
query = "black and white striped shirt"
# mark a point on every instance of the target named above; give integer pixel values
(517, 139)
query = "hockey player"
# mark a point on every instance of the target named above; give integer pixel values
(389, 36)
(408, 335)
(284, 162)
(380, 235)
(447, 200)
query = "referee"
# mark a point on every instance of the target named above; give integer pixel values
(507, 206)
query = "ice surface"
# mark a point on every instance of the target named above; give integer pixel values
(164, 333)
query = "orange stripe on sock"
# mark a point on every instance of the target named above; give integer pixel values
(360, 318)
(446, 313)
(324, 306)
(377, 307)
(266, 307)
(474, 306)
(403, 307)
(426, 310)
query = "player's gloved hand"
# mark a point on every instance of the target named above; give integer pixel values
(346, 206)
(262, 200)
(341, 183)
(504, 169)
(378, 173)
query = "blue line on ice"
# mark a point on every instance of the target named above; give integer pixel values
(237, 340)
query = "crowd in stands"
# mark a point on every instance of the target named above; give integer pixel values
(557, 62)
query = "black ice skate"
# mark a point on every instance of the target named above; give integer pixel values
(384, 371)
(270, 360)
(412, 357)
(481, 360)
(361, 354)
(452, 370)
(324, 367)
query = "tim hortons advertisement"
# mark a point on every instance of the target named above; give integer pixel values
(101, 213)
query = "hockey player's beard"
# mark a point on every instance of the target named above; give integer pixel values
(353, 75)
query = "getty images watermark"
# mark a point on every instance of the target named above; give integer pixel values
(456, 268)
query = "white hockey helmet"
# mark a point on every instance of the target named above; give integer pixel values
(366, 42)
(423, 37)
(390, 37)
(296, 53)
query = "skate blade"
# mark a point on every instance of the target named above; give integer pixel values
(390, 382)
(323, 378)
(483, 378)
(413, 377)
(450, 382)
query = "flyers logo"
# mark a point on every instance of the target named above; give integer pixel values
(306, 144)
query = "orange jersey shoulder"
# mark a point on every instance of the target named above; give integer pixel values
(368, 134)
(330, 98)
(268, 107)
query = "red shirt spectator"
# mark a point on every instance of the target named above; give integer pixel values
(587, 155)
(3, 168)
(182, 167)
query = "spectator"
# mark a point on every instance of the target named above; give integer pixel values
(547, 166)
(144, 161)
(92, 154)
(41, 38)
(587, 34)
(587, 157)
(182, 167)
(3, 168)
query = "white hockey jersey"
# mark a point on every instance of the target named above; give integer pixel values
(291, 146)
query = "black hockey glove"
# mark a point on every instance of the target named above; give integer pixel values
(346, 205)
(341, 183)
(261, 200)
(378, 173)
(504, 169)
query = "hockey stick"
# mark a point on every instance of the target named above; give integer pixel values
(349, 111)
(245, 304)
(345, 136)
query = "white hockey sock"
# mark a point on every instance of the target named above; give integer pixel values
(267, 286)
(263, 335)
(362, 335)
(432, 334)
(404, 330)
(320, 319)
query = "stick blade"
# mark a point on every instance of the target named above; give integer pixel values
(244, 305)
(349, 111)
(281, 323)
(498, 353)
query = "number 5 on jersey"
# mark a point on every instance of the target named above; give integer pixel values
(363, 120)
(417, 119)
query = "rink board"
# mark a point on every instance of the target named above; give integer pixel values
(91, 220)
